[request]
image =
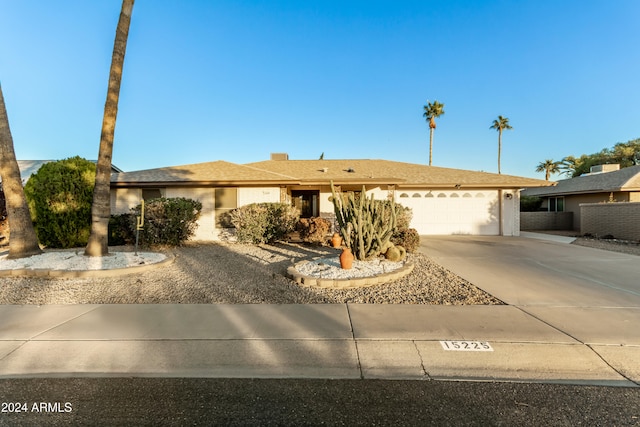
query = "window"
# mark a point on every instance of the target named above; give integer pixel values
(151, 193)
(556, 204)
(226, 199)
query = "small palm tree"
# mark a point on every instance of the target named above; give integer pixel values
(431, 112)
(548, 167)
(500, 124)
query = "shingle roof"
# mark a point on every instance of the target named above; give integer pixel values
(219, 172)
(626, 179)
(315, 172)
(391, 172)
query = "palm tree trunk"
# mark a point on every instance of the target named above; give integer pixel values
(430, 145)
(499, 148)
(101, 207)
(23, 241)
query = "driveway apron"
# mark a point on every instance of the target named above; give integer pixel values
(589, 294)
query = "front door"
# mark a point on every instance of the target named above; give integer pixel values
(307, 202)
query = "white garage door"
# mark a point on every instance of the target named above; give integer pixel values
(453, 212)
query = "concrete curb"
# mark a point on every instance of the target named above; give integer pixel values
(81, 274)
(310, 281)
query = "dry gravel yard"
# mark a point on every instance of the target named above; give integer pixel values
(229, 273)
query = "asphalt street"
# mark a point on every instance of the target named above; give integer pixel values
(176, 401)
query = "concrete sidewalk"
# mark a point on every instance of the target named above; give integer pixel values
(302, 341)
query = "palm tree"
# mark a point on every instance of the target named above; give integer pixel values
(431, 113)
(500, 124)
(23, 241)
(548, 167)
(101, 208)
(568, 165)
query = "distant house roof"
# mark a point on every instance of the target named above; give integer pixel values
(316, 172)
(626, 179)
(29, 167)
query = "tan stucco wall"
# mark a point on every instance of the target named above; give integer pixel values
(248, 195)
(123, 199)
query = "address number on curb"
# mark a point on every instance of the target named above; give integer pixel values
(466, 345)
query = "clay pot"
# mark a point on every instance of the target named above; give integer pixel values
(346, 259)
(336, 240)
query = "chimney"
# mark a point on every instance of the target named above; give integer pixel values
(279, 156)
(604, 168)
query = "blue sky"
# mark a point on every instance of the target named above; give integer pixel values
(237, 80)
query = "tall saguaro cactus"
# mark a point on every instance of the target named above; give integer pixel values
(366, 225)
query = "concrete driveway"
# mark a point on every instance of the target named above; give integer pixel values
(589, 294)
(534, 272)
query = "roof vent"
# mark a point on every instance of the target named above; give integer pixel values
(279, 156)
(350, 170)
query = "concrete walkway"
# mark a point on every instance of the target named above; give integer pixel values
(535, 338)
(300, 341)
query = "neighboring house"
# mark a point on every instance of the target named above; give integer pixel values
(605, 183)
(29, 167)
(444, 201)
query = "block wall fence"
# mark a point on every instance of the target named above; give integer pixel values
(622, 220)
(546, 221)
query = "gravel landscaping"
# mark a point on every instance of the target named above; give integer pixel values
(236, 274)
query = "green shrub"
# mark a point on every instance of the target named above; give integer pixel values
(264, 222)
(407, 238)
(169, 221)
(530, 203)
(121, 229)
(60, 195)
(313, 230)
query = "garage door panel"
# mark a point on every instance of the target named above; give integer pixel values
(469, 212)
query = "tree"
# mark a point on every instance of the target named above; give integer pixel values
(623, 153)
(101, 207)
(500, 124)
(59, 196)
(567, 165)
(431, 113)
(548, 167)
(22, 241)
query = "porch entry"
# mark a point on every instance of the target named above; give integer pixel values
(307, 201)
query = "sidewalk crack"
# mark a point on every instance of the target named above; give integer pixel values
(355, 342)
(422, 366)
(64, 322)
(611, 366)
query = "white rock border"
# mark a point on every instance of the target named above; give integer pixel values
(75, 274)
(360, 282)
